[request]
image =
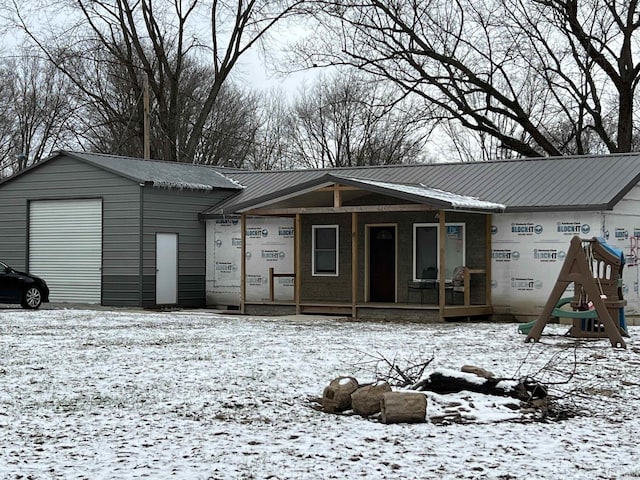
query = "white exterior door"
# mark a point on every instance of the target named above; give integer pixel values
(166, 268)
(65, 248)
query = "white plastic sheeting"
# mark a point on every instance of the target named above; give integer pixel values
(269, 245)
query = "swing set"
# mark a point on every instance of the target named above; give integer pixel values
(597, 306)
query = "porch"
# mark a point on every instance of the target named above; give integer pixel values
(363, 252)
(373, 311)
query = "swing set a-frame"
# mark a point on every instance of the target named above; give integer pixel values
(597, 306)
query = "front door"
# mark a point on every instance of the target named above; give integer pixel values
(166, 268)
(382, 263)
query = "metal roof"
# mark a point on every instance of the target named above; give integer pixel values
(182, 176)
(588, 182)
(412, 193)
(174, 175)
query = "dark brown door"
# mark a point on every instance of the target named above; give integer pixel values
(382, 264)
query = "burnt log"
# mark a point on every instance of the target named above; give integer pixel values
(525, 389)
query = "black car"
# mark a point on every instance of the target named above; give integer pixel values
(17, 287)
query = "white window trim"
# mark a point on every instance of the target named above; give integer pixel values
(313, 250)
(437, 227)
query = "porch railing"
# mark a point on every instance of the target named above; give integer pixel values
(273, 275)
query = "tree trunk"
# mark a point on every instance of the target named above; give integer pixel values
(337, 395)
(403, 407)
(365, 401)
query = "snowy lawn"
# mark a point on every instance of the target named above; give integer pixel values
(193, 395)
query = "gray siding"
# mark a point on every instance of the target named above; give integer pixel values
(176, 211)
(66, 178)
(128, 264)
(338, 288)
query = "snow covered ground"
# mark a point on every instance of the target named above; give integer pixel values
(102, 394)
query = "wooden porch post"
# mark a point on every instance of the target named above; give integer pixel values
(488, 261)
(354, 264)
(243, 262)
(296, 262)
(442, 263)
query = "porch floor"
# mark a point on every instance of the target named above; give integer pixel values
(346, 308)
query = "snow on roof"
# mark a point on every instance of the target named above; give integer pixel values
(182, 185)
(182, 176)
(420, 190)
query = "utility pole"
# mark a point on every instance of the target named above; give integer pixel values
(145, 102)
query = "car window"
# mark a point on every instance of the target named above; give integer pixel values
(3, 268)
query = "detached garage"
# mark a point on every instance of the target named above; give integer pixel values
(110, 230)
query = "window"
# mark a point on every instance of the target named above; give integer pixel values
(426, 248)
(325, 250)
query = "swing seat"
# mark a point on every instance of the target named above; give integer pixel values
(586, 321)
(583, 320)
(560, 313)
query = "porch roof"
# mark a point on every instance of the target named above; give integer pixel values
(411, 192)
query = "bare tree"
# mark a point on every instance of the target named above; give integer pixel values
(162, 41)
(539, 77)
(271, 142)
(108, 94)
(348, 121)
(34, 112)
(110, 116)
(229, 135)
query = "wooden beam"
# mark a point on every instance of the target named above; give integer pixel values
(467, 311)
(354, 264)
(243, 263)
(337, 197)
(297, 232)
(271, 285)
(272, 277)
(467, 286)
(343, 188)
(442, 262)
(413, 207)
(489, 261)
(467, 282)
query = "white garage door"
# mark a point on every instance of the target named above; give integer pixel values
(65, 248)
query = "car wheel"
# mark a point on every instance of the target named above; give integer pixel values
(32, 298)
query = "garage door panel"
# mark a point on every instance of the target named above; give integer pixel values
(65, 248)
